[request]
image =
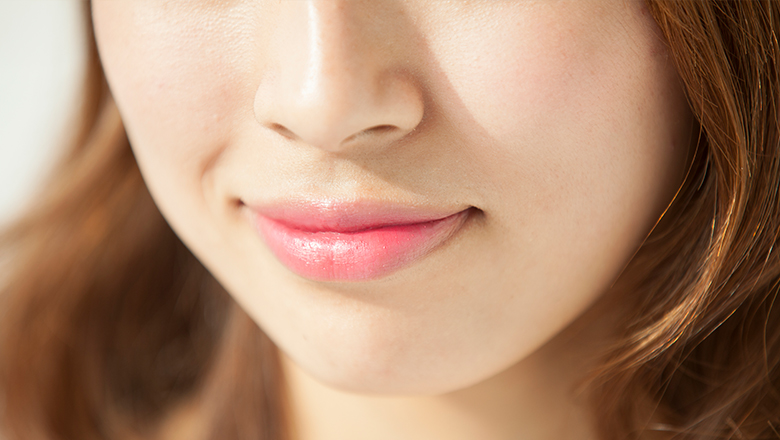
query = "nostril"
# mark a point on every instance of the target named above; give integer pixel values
(381, 129)
(282, 130)
(376, 131)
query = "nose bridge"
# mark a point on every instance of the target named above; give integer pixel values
(333, 80)
(329, 51)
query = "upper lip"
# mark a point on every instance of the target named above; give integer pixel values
(349, 216)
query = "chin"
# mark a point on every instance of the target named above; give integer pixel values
(383, 370)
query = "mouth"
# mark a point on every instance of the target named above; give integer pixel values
(333, 241)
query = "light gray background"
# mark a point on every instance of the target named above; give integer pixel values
(41, 66)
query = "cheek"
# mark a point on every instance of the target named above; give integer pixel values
(179, 76)
(571, 120)
(578, 141)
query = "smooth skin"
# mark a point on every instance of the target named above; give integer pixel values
(562, 122)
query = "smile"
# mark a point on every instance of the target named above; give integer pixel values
(353, 242)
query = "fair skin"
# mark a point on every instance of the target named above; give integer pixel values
(558, 127)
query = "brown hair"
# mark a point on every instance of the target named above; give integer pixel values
(704, 344)
(109, 323)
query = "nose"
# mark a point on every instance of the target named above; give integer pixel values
(336, 81)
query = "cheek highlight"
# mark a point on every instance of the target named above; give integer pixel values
(180, 71)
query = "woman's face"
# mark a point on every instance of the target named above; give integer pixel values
(408, 196)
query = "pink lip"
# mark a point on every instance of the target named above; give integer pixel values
(331, 241)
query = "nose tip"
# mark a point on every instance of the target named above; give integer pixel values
(336, 86)
(338, 118)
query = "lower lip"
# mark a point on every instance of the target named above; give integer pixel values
(356, 255)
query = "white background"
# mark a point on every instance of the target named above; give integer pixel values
(41, 67)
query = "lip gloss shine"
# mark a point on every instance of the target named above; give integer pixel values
(327, 242)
